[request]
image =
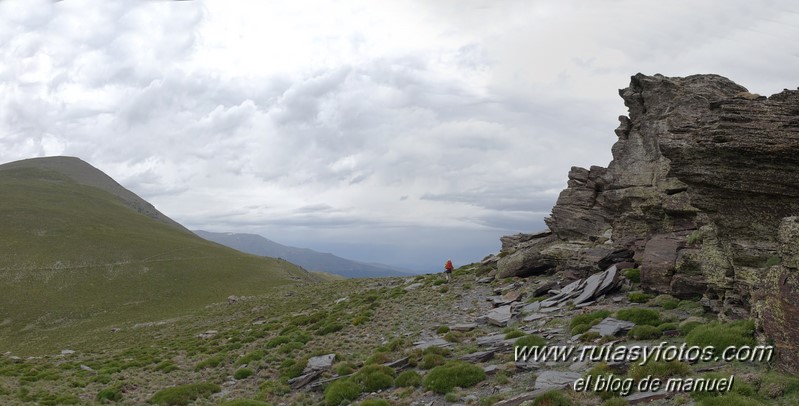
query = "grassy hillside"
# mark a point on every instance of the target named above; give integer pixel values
(74, 258)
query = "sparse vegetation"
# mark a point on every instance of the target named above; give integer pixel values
(183, 394)
(442, 379)
(722, 335)
(640, 316)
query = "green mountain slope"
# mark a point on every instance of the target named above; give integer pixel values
(75, 257)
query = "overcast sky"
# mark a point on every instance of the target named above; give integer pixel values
(403, 132)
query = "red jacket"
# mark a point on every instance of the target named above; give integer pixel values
(448, 266)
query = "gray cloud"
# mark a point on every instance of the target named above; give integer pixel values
(428, 127)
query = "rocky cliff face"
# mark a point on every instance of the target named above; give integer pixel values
(700, 194)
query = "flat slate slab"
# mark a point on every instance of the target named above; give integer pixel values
(611, 327)
(556, 379)
(499, 316)
(438, 342)
(463, 327)
(319, 363)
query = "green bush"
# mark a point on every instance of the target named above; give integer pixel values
(580, 328)
(374, 377)
(640, 316)
(340, 391)
(667, 326)
(344, 368)
(442, 379)
(249, 358)
(686, 328)
(292, 368)
(166, 367)
(639, 297)
(442, 330)
(644, 332)
(273, 388)
(431, 361)
(329, 328)
(589, 336)
(109, 395)
(552, 398)
(513, 333)
(212, 362)
(277, 341)
(531, 340)
(588, 318)
(243, 373)
(377, 358)
(616, 402)
(722, 335)
(633, 274)
(407, 379)
(184, 394)
(454, 337)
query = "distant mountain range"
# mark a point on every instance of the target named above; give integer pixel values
(307, 258)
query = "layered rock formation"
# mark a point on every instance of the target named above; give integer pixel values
(700, 195)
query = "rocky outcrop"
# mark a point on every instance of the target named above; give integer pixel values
(701, 190)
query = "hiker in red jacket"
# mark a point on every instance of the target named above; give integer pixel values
(448, 269)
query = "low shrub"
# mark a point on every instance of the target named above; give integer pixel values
(242, 373)
(109, 395)
(729, 399)
(430, 361)
(408, 379)
(374, 377)
(530, 340)
(639, 297)
(633, 274)
(329, 328)
(644, 332)
(774, 385)
(442, 330)
(182, 395)
(580, 328)
(640, 316)
(442, 379)
(722, 335)
(212, 362)
(340, 391)
(588, 318)
(513, 333)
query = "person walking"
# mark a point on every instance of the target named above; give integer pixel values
(448, 269)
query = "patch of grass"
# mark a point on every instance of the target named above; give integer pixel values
(588, 318)
(633, 274)
(344, 368)
(166, 367)
(513, 333)
(408, 378)
(579, 329)
(256, 355)
(442, 379)
(374, 377)
(589, 336)
(109, 395)
(291, 368)
(430, 361)
(531, 340)
(644, 332)
(639, 297)
(184, 394)
(212, 362)
(442, 330)
(273, 388)
(640, 316)
(243, 373)
(454, 337)
(329, 328)
(722, 335)
(552, 398)
(615, 401)
(686, 328)
(341, 391)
